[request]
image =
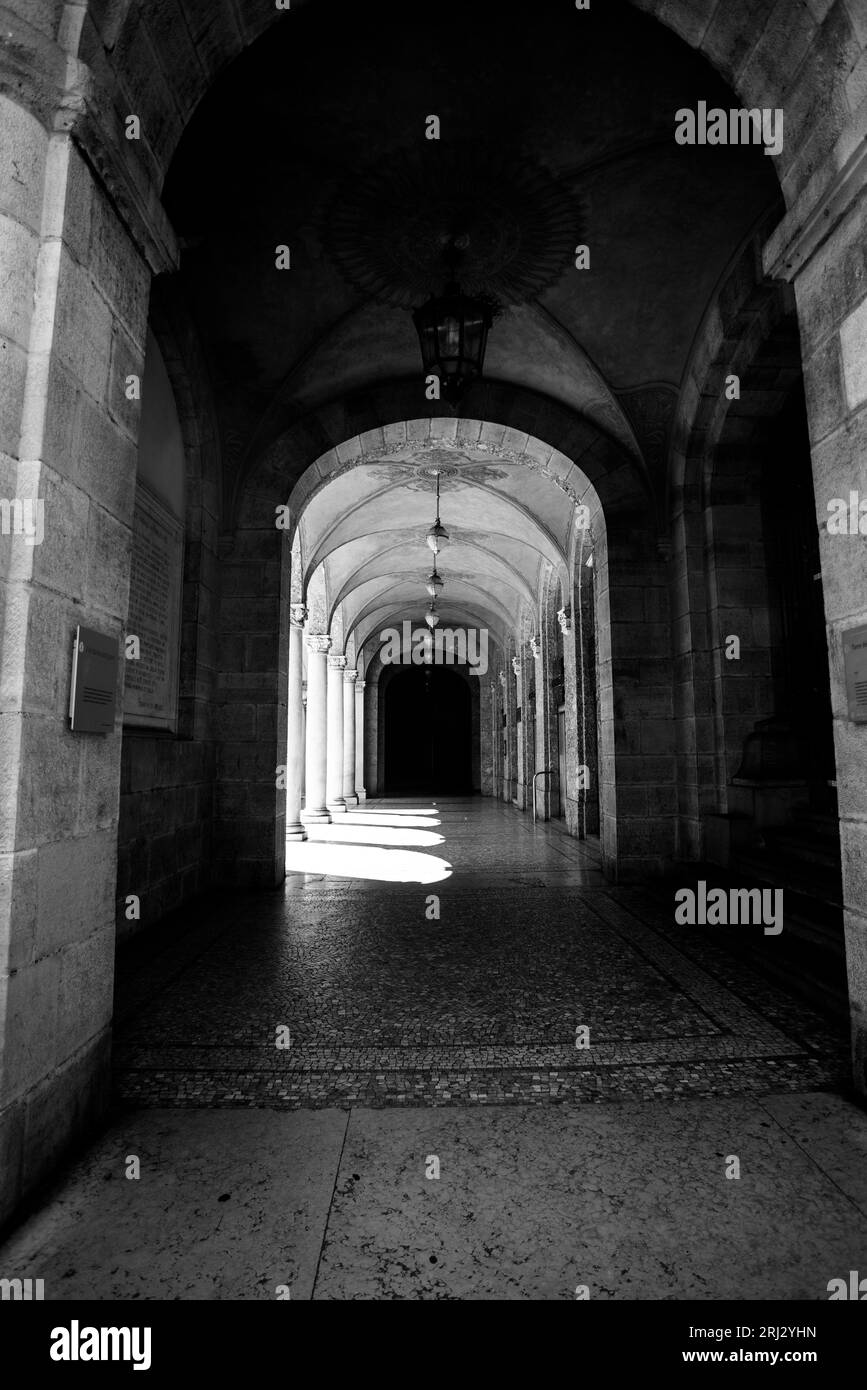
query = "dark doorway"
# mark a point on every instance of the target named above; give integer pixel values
(428, 732)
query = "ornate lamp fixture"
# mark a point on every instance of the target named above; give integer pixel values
(434, 583)
(437, 536)
(453, 330)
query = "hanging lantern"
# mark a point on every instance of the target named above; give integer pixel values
(453, 332)
(437, 536)
(432, 617)
(434, 583)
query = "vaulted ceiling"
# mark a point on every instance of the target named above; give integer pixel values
(553, 133)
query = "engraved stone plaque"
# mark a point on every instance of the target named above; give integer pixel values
(855, 663)
(151, 680)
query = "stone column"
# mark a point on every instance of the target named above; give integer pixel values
(315, 811)
(570, 796)
(520, 783)
(827, 272)
(334, 799)
(360, 789)
(295, 718)
(303, 739)
(73, 321)
(510, 690)
(486, 697)
(503, 739)
(349, 679)
(372, 771)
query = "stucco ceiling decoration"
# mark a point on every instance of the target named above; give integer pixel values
(387, 231)
(420, 472)
(483, 462)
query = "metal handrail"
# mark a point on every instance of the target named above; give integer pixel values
(546, 772)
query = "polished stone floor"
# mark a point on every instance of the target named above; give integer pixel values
(414, 1038)
(387, 1005)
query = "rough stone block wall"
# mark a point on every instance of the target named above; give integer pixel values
(164, 836)
(167, 800)
(831, 295)
(88, 289)
(249, 843)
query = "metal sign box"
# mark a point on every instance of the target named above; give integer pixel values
(93, 694)
(855, 664)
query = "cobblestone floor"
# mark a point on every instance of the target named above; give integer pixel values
(309, 1167)
(386, 1007)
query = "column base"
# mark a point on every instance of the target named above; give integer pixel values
(296, 832)
(314, 817)
(336, 807)
(351, 800)
(362, 795)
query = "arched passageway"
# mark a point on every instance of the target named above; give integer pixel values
(211, 378)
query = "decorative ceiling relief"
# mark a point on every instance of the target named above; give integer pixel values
(650, 410)
(454, 464)
(515, 223)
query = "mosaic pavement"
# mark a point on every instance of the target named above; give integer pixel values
(385, 1007)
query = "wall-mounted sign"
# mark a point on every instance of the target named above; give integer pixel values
(855, 664)
(93, 694)
(150, 696)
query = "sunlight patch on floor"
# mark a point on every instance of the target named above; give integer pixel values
(354, 833)
(343, 860)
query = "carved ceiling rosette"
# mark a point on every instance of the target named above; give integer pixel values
(514, 223)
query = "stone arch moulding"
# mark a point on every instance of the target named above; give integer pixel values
(767, 59)
(747, 313)
(627, 538)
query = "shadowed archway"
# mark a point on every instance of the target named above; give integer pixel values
(427, 719)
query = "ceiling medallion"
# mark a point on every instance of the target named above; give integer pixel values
(517, 225)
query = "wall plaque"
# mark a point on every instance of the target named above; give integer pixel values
(855, 664)
(151, 680)
(93, 693)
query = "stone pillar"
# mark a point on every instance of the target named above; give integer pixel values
(569, 794)
(547, 787)
(315, 811)
(588, 796)
(360, 790)
(533, 674)
(486, 751)
(303, 740)
(349, 745)
(503, 738)
(373, 779)
(295, 734)
(334, 799)
(520, 780)
(820, 249)
(73, 319)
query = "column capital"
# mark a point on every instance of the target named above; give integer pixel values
(350, 675)
(502, 676)
(564, 619)
(536, 648)
(319, 642)
(337, 663)
(297, 614)
(516, 666)
(360, 685)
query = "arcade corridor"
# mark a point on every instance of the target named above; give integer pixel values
(432, 554)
